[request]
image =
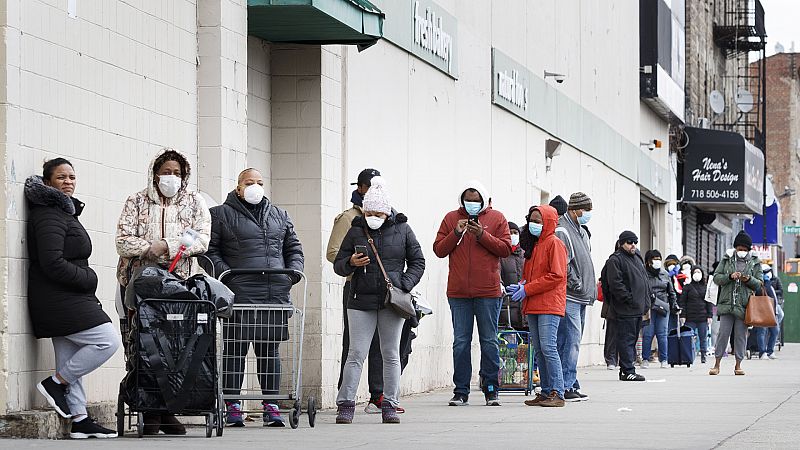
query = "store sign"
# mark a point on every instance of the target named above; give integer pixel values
(424, 29)
(511, 85)
(722, 172)
(791, 229)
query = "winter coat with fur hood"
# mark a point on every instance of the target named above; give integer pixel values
(61, 285)
(147, 217)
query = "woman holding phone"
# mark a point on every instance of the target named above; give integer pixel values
(381, 237)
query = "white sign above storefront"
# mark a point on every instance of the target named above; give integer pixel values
(511, 85)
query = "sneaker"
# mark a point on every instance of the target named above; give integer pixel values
(630, 377)
(374, 405)
(702, 359)
(459, 400)
(552, 401)
(490, 393)
(583, 396)
(763, 356)
(56, 395)
(572, 396)
(345, 412)
(389, 413)
(611, 367)
(89, 428)
(234, 418)
(664, 364)
(535, 402)
(645, 364)
(400, 410)
(772, 356)
(272, 416)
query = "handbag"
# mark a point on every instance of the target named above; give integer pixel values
(400, 302)
(661, 307)
(760, 312)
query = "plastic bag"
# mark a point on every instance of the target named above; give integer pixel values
(156, 282)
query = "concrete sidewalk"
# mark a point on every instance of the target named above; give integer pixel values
(676, 408)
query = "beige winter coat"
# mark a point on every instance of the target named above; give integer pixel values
(341, 225)
(146, 217)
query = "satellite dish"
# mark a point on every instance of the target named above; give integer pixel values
(717, 101)
(744, 100)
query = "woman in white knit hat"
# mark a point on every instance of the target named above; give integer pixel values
(404, 262)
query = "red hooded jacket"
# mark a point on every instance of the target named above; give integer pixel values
(474, 263)
(546, 272)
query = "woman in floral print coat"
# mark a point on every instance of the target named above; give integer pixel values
(150, 228)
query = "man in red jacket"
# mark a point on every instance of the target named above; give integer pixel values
(474, 237)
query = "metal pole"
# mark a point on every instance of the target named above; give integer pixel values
(764, 131)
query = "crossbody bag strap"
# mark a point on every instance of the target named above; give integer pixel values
(378, 257)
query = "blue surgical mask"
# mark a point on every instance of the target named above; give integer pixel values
(767, 277)
(473, 208)
(535, 228)
(585, 218)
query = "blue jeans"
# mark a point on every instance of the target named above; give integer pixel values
(464, 313)
(658, 328)
(570, 331)
(701, 328)
(544, 336)
(767, 337)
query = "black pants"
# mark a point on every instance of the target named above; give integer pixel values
(610, 347)
(627, 334)
(374, 360)
(264, 330)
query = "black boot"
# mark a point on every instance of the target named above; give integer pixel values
(703, 358)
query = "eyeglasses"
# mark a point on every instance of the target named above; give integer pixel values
(631, 242)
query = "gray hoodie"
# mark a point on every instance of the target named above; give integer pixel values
(581, 281)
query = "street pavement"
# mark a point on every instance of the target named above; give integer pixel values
(676, 408)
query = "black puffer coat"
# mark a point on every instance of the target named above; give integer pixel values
(693, 300)
(511, 267)
(661, 286)
(61, 285)
(401, 255)
(254, 238)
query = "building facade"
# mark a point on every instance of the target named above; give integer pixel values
(453, 91)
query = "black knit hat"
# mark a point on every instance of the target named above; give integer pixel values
(651, 255)
(743, 239)
(512, 226)
(626, 236)
(559, 204)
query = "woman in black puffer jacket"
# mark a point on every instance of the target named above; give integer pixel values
(664, 302)
(401, 255)
(697, 310)
(61, 294)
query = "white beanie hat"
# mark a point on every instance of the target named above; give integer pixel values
(377, 199)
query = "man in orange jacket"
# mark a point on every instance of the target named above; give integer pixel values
(474, 237)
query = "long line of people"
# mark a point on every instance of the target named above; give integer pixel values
(542, 270)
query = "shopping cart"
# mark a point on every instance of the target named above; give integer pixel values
(272, 372)
(516, 355)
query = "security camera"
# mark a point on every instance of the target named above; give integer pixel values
(556, 76)
(651, 146)
(559, 78)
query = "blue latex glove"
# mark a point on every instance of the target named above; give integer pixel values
(519, 294)
(510, 289)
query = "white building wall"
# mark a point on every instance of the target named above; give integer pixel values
(105, 89)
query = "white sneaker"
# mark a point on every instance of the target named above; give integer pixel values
(645, 364)
(764, 356)
(611, 367)
(372, 408)
(664, 364)
(772, 356)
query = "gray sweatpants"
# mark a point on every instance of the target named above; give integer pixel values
(729, 323)
(81, 353)
(362, 327)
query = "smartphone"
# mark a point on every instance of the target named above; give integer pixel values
(473, 219)
(362, 249)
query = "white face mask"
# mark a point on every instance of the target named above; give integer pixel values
(742, 255)
(515, 239)
(169, 185)
(656, 264)
(697, 276)
(253, 194)
(375, 222)
(686, 269)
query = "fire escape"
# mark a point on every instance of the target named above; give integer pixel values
(741, 32)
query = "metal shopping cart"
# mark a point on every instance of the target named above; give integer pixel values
(172, 349)
(262, 352)
(516, 357)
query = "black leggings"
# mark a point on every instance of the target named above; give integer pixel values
(256, 328)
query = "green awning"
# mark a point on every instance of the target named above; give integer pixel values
(315, 21)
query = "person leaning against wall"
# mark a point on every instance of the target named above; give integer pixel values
(61, 295)
(150, 229)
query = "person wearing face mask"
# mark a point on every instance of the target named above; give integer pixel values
(767, 337)
(581, 289)
(738, 277)
(629, 293)
(149, 230)
(543, 293)
(341, 225)
(511, 273)
(698, 311)
(397, 251)
(664, 302)
(250, 232)
(61, 295)
(474, 238)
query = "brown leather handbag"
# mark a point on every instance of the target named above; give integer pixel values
(760, 312)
